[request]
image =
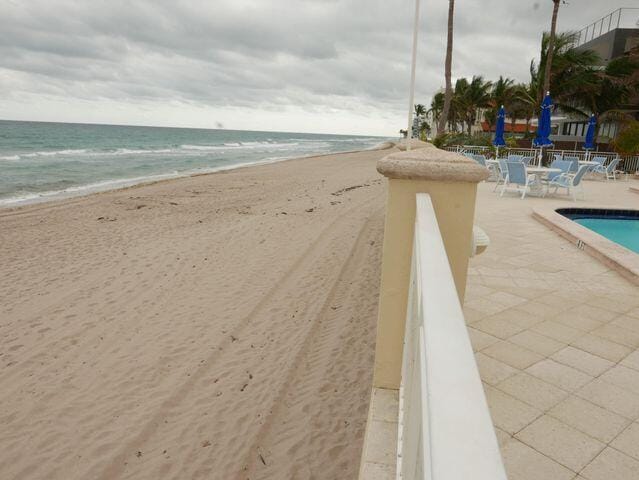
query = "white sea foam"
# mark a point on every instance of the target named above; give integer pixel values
(188, 149)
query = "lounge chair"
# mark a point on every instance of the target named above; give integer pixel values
(574, 163)
(599, 161)
(517, 178)
(527, 160)
(570, 181)
(608, 170)
(563, 165)
(502, 173)
(481, 159)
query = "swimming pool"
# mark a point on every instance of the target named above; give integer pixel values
(620, 226)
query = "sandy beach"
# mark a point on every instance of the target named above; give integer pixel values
(219, 326)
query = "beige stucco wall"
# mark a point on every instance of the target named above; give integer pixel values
(451, 180)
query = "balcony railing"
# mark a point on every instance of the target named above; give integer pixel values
(445, 430)
(620, 18)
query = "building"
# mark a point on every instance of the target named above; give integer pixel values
(612, 36)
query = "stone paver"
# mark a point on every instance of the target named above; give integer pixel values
(525, 463)
(628, 441)
(561, 442)
(562, 376)
(589, 418)
(509, 414)
(583, 361)
(533, 391)
(493, 371)
(611, 397)
(557, 339)
(611, 464)
(512, 354)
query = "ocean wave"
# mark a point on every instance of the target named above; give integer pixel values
(238, 145)
(51, 153)
(185, 149)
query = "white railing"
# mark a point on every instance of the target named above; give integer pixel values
(445, 430)
(627, 163)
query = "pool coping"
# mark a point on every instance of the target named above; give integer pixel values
(634, 189)
(611, 254)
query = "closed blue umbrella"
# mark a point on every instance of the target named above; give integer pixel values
(589, 142)
(498, 141)
(542, 139)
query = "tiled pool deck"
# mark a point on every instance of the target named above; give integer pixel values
(556, 335)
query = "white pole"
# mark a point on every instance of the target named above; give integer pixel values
(409, 133)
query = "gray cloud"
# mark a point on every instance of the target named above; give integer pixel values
(268, 55)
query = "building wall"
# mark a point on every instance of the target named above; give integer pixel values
(613, 44)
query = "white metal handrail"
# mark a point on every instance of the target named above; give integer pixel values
(445, 430)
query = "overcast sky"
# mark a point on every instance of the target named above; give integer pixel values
(334, 66)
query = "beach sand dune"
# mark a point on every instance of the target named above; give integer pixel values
(219, 326)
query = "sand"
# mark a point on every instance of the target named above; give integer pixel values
(219, 326)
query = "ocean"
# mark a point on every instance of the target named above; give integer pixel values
(44, 161)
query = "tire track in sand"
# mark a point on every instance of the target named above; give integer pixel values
(288, 281)
(305, 381)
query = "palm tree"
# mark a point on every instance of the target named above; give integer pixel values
(448, 97)
(469, 97)
(551, 45)
(420, 110)
(458, 105)
(607, 91)
(572, 69)
(526, 104)
(424, 130)
(436, 107)
(503, 93)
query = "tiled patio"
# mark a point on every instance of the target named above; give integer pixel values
(556, 335)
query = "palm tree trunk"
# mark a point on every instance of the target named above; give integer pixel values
(551, 47)
(448, 97)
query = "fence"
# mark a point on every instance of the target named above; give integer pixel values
(620, 18)
(627, 163)
(445, 430)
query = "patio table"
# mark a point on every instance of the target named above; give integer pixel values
(537, 188)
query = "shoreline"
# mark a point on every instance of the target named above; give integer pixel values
(83, 191)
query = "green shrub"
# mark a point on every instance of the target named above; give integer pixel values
(627, 142)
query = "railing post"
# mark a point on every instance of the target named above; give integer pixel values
(451, 180)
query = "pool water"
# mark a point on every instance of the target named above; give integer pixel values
(624, 231)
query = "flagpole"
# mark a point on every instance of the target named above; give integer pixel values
(411, 99)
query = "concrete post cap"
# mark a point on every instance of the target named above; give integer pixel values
(431, 163)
